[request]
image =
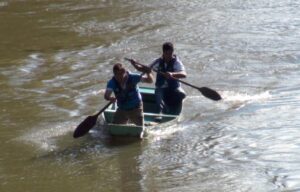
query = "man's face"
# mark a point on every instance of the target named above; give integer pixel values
(120, 75)
(167, 55)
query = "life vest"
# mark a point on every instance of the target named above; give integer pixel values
(160, 79)
(128, 98)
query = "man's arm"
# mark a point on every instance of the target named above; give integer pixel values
(179, 72)
(141, 68)
(148, 78)
(108, 95)
(177, 75)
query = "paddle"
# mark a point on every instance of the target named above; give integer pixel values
(88, 123)
(207, 92)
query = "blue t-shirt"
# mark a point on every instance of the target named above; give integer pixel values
(128, 97)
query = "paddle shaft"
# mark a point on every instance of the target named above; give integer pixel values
(207, 92)
(162, 73)
(105, 107)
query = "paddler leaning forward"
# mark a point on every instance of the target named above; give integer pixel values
(124, 85)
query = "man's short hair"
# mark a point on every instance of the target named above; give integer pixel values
(118, 67)
(168, 46)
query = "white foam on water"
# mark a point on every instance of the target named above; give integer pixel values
(32, 62)
(229, 96)
(239, 100)
(45, 137)
(3, 4)
(164, 131)
(231, 99)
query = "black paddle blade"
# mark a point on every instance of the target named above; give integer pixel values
(210, 93)
(84, 127)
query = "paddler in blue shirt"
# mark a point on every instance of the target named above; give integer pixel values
(126, 92)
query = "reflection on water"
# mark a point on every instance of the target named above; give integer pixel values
(55, 59)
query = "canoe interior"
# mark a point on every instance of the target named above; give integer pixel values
(149, 116)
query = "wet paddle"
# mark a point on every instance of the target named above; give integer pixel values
(207, 92)
(86, 125)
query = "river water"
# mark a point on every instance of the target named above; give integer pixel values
(55, 59)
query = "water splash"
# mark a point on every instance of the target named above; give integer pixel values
(46, 137)
(235, 100)
(230, 96)
(164, 131)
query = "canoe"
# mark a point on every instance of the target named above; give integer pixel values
(151, 118)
